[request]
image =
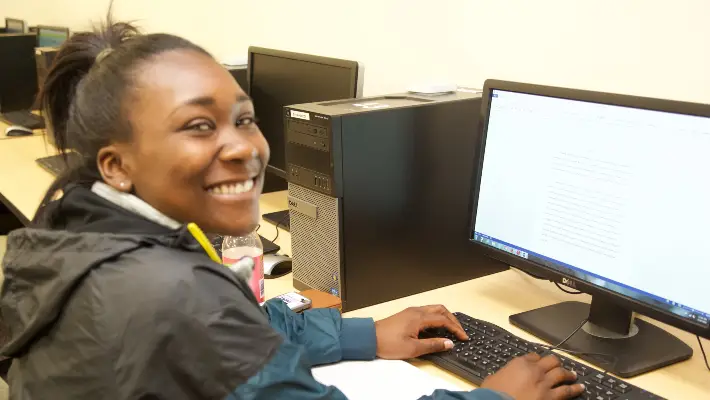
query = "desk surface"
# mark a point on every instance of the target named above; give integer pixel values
(492, 298)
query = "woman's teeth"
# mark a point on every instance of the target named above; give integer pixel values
(233, 188)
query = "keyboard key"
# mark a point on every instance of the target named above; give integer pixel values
(598, 389)
(610, 382)
(599, 378)
(622, 388)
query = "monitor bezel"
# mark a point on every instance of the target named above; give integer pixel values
(21, 21)
(542, 271)
(356, 77)
(54, 28)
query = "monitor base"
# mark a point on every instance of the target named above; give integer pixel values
(645, 348)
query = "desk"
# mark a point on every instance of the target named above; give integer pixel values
(492, 298)
(22, 181)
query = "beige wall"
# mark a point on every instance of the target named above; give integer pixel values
(645, 47)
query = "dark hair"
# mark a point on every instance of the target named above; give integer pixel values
(83, 94)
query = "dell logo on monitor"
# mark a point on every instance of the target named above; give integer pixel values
(569, 282)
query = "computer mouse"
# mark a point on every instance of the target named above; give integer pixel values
(17, 130)
(276, 265)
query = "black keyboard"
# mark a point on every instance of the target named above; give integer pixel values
(56, 164)
(491, 347)
(25, 119)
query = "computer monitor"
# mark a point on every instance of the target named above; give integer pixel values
(607, 194)
(13, 25)
(18, 85)
(281, 78)
(51, 36)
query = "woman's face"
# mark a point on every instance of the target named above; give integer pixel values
(196, 153)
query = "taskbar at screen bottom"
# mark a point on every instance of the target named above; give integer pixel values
(695, 316)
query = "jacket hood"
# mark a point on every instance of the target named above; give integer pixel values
(43, 266)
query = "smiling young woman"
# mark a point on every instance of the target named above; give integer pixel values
(110, 297)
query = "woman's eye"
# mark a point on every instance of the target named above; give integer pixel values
(200, 126)
(246, 121)
(203, 127)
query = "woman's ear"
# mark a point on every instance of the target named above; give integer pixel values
(113, 163)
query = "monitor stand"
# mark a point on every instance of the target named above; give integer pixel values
(638, 346)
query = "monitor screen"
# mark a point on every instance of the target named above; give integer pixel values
(277, 82)
(613, 196)
(14, 25)
(51, 37)
(18, 85)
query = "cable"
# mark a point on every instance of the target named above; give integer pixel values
(545, 279)
(705, 357)
(584, 321)
(281, 221)
(612, 357)
(566, 290)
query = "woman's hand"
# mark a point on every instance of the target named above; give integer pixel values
(531, 377)
(398, 335)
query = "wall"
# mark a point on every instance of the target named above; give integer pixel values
(644, 47)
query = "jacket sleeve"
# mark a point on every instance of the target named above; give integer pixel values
(325, 336)
(321, 336)
(210, 339)
(288, 376)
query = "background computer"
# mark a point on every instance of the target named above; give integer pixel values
(13, 25)
(281, 78)
(605, 193)
(18, 83)
(51, 36)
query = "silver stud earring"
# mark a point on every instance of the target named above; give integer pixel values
(254, 153)
(123, 184)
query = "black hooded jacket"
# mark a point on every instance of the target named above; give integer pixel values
(143, 313)
(80, 303)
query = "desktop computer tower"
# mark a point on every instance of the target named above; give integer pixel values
(379, 192)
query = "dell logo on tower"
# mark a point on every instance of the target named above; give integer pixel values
(569, 282)
(302, 207)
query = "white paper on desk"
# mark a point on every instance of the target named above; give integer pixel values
(380, 379)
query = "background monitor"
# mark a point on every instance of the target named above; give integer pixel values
(607, 194)
(18, 85)
(280, 78)
(13, 25)
(51, 36)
